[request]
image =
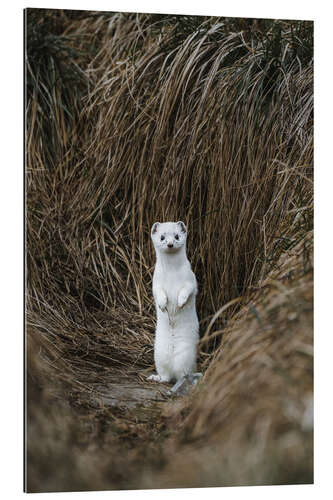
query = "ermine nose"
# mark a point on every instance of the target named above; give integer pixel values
(170, 245)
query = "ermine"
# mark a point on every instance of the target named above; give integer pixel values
(174, 290)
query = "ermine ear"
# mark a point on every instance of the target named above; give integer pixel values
(154, 228)
(182, 226)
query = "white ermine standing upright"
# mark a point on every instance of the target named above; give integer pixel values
(174, 290)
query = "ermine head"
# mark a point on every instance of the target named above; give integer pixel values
(169, 237)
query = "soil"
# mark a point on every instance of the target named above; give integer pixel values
(128, 393)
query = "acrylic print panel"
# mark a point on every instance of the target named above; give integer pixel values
(133, 119)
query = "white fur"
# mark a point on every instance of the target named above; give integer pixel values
(174, 290)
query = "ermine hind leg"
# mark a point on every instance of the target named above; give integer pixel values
(158, 378)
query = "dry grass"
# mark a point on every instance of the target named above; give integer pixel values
(251, 422)
(138, 118)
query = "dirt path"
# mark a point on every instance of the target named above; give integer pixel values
(128, 392)
(121, 389)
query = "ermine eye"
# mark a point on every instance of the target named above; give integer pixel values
(176, 237)
(162, 237)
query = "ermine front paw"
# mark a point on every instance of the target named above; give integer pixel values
(162, 302)
(182, 299)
